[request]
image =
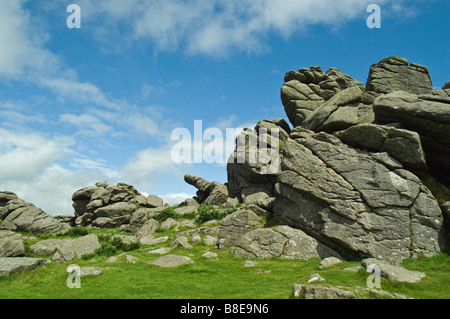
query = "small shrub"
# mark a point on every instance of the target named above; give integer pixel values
(111, 245)
(165, 214)
(118, 243)
(159, 229)
(190, 215)
(77, 231)
(207, 213)
(131, 246)
(281, 145)
(106, 249)
(88, 256)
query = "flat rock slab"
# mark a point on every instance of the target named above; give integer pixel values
(328, 262)
(76, 248)
(209, 254)
(15, 265)
(172, 261)
(160, 251)
(394, 273)
(282, 241)
(90, 271)
(319, 292)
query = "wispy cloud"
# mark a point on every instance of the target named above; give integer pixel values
(218, 28)
(87, 124)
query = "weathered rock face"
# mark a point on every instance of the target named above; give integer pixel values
(235, 225)
(340, 112)
(355, 191)
(11, 244)
(16, 265)
(359, 203)
(396, 74)
(106, 206)
(252, 170)
(429, 118)
(282, 241)
(304, 91)
(19, 215)
(403, 145)
(396, 92)
(65, 250)
(393, 272)
(5, 197)
(209, 193)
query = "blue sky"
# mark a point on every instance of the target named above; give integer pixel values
(98, 103)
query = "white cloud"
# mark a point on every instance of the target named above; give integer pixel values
(24, 155)
(143, 124)
(21, 46)
(217, 28)
(79, 92)
(87, 124)
(23, 57)
(87, 164)
(15, 114)
(147, 166)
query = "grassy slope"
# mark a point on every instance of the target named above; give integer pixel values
(222, 277)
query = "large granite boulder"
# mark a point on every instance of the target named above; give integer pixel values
(67, 249)
(281, 241)
(304, 91)
(340, 112)
(429, 118)
(360, 204)
(397, 74)
(71, 249)
(15, 265)
(251, 168)
(357, 192)
(233, 226)
(11, 244)
(403, 145)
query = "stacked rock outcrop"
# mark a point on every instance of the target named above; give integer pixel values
(349, 170)
(18, 215)
(208, 193)
(105, 206)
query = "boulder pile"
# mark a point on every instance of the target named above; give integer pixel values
(18, 215)
(105, 206)
(351, 169)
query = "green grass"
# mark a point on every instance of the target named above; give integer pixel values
(224, 277)
(217, 278)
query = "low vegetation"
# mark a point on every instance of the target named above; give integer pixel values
(208, 278)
